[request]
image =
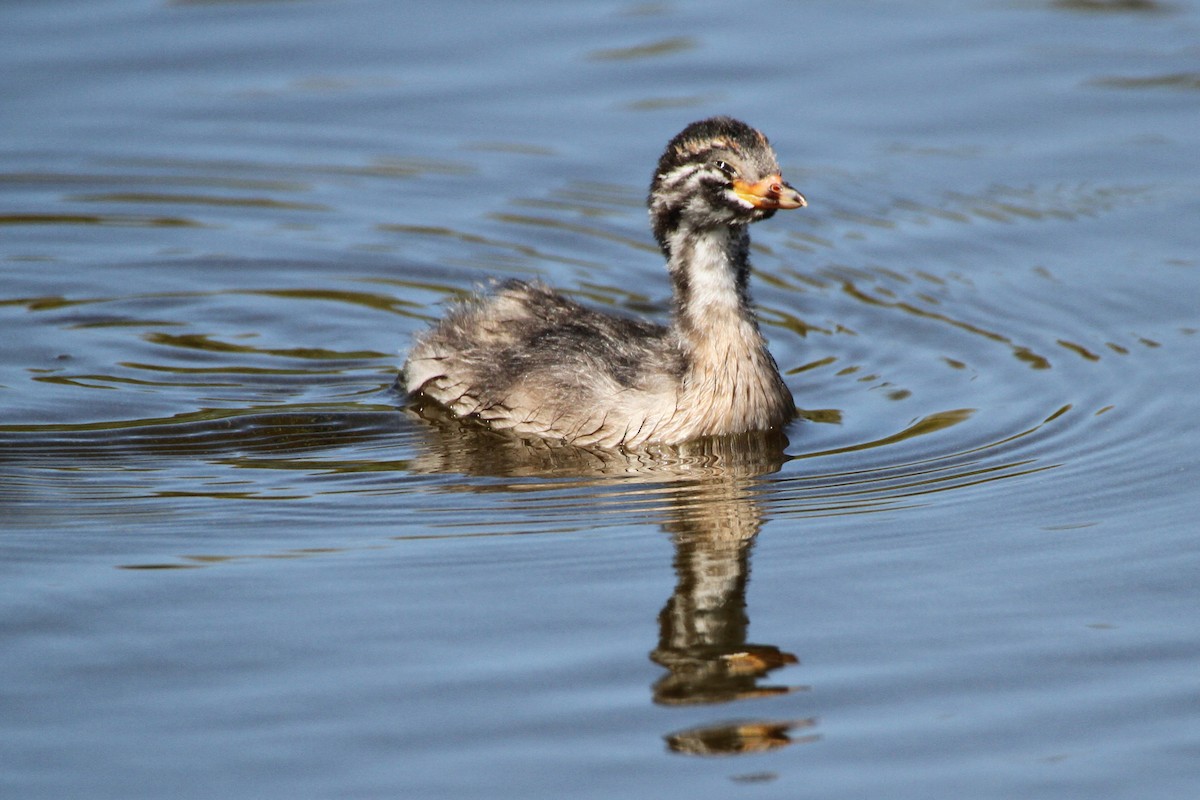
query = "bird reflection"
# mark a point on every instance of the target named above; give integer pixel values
(703, 627)
(712, 514)
(736, 738)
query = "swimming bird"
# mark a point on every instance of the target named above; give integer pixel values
(529, 360)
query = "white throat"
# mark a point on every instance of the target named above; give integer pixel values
(706, 261)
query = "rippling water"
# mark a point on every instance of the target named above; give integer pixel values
(236, 563)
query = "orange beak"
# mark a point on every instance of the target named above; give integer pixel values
(769, 194)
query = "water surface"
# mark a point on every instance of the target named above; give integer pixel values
(236, 564)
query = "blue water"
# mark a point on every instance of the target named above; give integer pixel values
(233, 564)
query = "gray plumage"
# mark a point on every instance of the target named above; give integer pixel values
(528, 360)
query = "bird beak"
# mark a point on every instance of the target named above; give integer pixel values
(769, 194)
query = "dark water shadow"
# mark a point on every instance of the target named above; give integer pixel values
(210, 432)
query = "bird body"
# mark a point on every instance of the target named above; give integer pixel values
(529, 360)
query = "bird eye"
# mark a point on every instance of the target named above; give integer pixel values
(725, 169)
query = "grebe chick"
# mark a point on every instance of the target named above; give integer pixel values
(528, 360)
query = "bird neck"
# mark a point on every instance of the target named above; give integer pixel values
(710, 273)
(730, 377)
(730, 380)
